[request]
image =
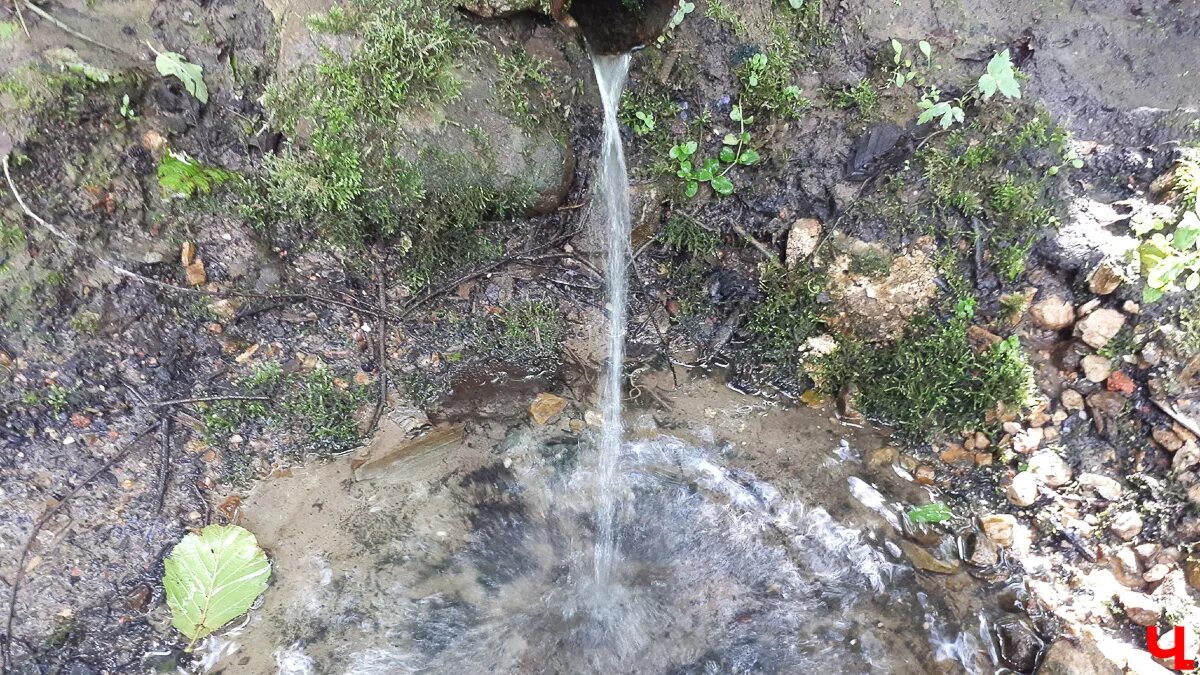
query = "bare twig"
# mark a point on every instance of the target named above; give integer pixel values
(67, 29)
(164, 465)
(19, 574)
(495, 264)
(21, 17)
(207, 399)
(762, 248)
(1184, 421)
(381, 342)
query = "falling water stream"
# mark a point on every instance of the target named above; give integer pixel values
(613, 185)
(661, 550)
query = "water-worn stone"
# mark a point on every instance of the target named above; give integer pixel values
(1097, 328)
(1096, 368)
(1020, 645)
(1185, 458)
(546, 407)
(1167, 438)
(1103, 486)
(1049, 468)
(1071, 399)
(1104, 279)
(1053, 313)
(999, 528)
(1083, 656)
(1126, 525)
(1140, 608)
(1028, 440)
(1023, 490)
(802, 240)
(924, 560)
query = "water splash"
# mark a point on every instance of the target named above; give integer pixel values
(611, 73)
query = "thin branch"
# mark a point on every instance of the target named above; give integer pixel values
(207, 399)
(381, 342)
(20, 16)
(67, 29)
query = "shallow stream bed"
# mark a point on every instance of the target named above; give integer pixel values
(751, 540)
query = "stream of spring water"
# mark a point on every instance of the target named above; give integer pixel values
(611, 72)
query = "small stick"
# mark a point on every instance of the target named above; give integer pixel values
(67, 29)
(1185, 422)
(164, 465)
(207, 399)
(20, 16)
(381, 342)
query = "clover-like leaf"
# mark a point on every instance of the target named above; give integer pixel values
(213, 577)
(172, 64)
(727, 155)
(749, 156)
(730, 139)
(691, 189)
(722, 185)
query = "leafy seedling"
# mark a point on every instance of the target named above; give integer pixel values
(212, 578)
(172, 64)
(1000, 76)
(930, 513)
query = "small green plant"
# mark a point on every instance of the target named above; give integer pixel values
(213, 577)
(127, 110)
(1172, 251)
(903, 68)
(765, 79)
(681, 11)
(1001, 76)
(685, 235)
(11, 236)
(324, 411)
(182, 176)
(861, 96)
(930, 513)
(735, 151)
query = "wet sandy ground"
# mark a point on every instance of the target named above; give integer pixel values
(745, 551)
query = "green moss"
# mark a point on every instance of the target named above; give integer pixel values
(931, 380)
(862, 97)
(356, 194)
(532, 329)
(325, 411)
(317, 409)
(684, 235)
(791, 312)
(767, 85)
(523, 82)
(721, 13)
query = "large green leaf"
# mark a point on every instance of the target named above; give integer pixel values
(191, 75)
(213, 577)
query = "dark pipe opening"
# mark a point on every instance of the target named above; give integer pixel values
(617, 26)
